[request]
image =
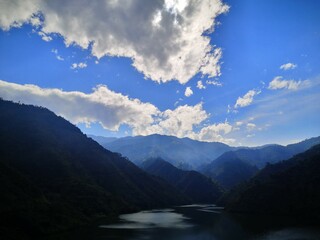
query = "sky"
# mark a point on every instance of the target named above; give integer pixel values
(245, 73)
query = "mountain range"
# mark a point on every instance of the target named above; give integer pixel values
(53, 177)
(289, 187)
(235, 167)
(228, 166)
(183, 153)
(199, 188)
(229, 170)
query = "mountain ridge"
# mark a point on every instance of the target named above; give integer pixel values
(289, 187)
(53, 177)
(184, 153)
(193, 184)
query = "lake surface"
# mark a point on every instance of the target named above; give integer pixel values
(190, 222)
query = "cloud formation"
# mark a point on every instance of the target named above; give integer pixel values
(288, 66)
(251, 126)
(55, 52)
(247, 99)
(214, 132)
(188, 92)
(111, 110)
(78, 65)
(104, 106)
(279, 83)
(200, 85)
(214, 83)
(165, 39)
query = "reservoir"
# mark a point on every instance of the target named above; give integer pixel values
(196, 222)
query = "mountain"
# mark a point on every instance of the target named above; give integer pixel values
(102, 140)
(187, 154)
(180, 152)
(260, 156)
(289, 187)
(235, 167)
(53, 177)
(196, 186)
(229, 170)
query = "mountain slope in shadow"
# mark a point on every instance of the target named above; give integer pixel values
(53, 177)
(196, 186)
(229, 170)
(289, 187)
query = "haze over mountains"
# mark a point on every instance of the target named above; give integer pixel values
(180, 152)
(229, 166)
(186, 153)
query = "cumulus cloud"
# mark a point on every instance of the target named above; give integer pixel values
(108, 108)
(179, 122)
(166, 40)
(78, 65)
(279, 83)
(17, 12)
(112, 110)
(188, 92)
(215, 83)
(288, 66)
(247, 99)
(200, 85)
(214, 132)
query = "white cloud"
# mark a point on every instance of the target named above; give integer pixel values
(164, 39)
(14, 13)
(250, 135)
(288, 66)
(108, 108)
(247, 99)
(60, 58)
(279, 83)
(239, 123)
(179, 122)
(55, 51)
(214, 132)
(78, 65)
(188, 92)
(112, 110)
(44, 36)
(251, 126)
(200, 85)
(215, 83)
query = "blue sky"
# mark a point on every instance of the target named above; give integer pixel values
(258, 63)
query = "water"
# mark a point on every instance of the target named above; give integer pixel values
(201, 222)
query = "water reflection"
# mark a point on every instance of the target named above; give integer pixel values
(165, 218)
(195, 222)
(211, 208)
